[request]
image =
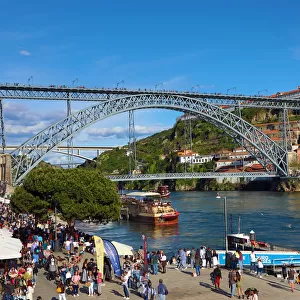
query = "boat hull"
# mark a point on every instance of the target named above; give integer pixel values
(156, 220)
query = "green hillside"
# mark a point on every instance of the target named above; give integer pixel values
(157, 153)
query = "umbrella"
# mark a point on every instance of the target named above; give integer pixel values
(123, 249)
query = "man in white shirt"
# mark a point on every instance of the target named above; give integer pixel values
(124, 279)
(163, 261)
(252, 262)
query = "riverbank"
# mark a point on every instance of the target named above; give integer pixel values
(181, 285)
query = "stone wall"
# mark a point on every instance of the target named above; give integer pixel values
(5, 168)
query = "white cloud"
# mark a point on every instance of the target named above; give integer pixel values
(173, 81)
(21, 129)
(25, 53)
(121, 132)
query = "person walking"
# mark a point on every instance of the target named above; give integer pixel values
(154, 262)
(239, 285)
(208, 257)
(124, 279)
(149, 292)
(60, 289)
(192, 257)
(163, 261)
(198, 263)
(90, 283)
(240, 260)
(217, 276)
(291, 277)
(162, 291)
(232, 282)
(75, 281)
(260, 267)
(30, 290)
(252, 262)
(284, 271)
(215, 258)
(183, 258)
(99, 282)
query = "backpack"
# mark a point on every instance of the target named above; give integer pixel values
(154, 260)
(208, 254)
(291, 274)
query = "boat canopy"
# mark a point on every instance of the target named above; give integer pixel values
(143, 194)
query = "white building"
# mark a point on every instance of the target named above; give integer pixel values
(195, 158)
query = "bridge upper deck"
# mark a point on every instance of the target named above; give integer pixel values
(81, 93)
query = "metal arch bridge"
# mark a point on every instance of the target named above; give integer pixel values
(32, 92)
(272, 157)
(129, 177)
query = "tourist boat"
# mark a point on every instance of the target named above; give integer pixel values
(164, 191)
(148, 207)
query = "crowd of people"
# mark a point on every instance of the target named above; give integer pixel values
(73, 273)
(136, 274)
(18, 277)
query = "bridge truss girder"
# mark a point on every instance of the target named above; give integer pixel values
(23, 92)
(267, 152)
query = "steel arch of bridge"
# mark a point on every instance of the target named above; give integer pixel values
(267, 152)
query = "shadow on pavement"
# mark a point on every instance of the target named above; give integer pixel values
(213, 289)
(116, 293)
(275, 285)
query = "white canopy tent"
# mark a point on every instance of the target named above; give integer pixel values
(9, 253)
(9, 246)
(4, 232)
(123, 249)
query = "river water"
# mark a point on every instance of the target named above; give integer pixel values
(275, 218)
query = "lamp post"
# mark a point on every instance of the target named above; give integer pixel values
(197, 85)
(30, 78)
(233, 88)
(225, 221)
(161, 83)
(258, 93)
(122, 81)
(73, 82)
(144, 238)
(56, 241)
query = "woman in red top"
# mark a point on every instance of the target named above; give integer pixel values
(99, 282)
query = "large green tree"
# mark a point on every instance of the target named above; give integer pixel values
(79, 194)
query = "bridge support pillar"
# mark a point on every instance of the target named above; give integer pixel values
(2, 133)
(70, 140)
(5, 168)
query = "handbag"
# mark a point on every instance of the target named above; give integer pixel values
(58, 290)
(68, 275)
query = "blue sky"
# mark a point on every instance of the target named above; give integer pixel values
(250, 45)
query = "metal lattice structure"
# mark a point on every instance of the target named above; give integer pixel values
(131, 142)
(30, 92)
(164, 176)
(70, 140)
(2, 128)
(268, 153)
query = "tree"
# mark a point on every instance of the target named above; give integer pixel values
(79, 193)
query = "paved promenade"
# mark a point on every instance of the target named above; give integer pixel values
(182, 286)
